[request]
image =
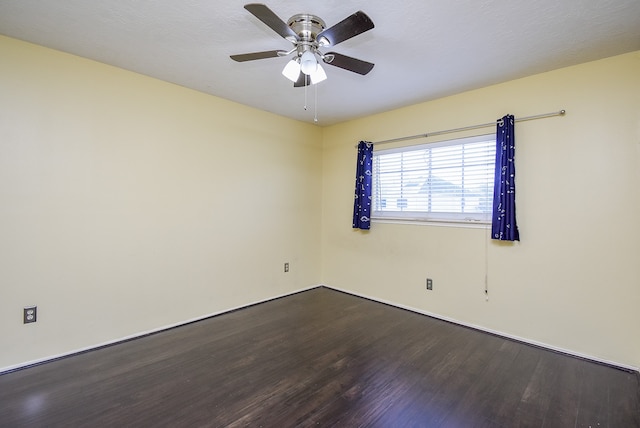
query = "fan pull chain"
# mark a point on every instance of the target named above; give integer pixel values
(315, 107)
(305, 92)
(306, 99)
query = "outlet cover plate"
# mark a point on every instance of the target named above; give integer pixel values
(30, 314)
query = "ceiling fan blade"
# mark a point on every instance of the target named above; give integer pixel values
(303, 80)
(257, 55)
(348, 63)
(266, 15)
(349, 27)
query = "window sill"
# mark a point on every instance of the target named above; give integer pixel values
(465, 224)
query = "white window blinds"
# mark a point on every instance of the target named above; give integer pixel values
(446, 181)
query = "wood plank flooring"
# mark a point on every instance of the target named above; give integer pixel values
(320, 358)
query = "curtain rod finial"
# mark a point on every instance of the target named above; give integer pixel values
(562, 112)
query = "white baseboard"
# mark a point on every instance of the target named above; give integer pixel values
(375, 299)
(143, 333)
(490, 331)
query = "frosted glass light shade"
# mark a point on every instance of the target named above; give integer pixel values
(308, 63)
(318, 76)
(292, 70)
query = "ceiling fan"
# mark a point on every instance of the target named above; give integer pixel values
(309, 34)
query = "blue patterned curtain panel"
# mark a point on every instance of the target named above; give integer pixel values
(503, 224)
(362, 201)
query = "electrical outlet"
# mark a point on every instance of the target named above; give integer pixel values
(30, 314)
(286, 267)
(429, 284)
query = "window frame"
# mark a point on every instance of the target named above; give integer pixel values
(430, 217)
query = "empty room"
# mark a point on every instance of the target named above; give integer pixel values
(344, 214)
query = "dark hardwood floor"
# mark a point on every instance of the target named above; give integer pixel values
(320, 358)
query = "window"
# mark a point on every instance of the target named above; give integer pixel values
(449, 181)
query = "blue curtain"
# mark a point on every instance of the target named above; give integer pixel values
(362, 201)
(503, 224)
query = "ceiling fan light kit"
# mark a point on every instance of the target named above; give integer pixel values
(308, 33)
(318, 76)
(308, 63)
(292, 70)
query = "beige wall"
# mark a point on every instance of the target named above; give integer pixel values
(573, 282)
(116, 190)
(129, 204)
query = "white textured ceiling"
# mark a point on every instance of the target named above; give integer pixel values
(422, 49)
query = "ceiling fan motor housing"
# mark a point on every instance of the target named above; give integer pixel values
(307, 27)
